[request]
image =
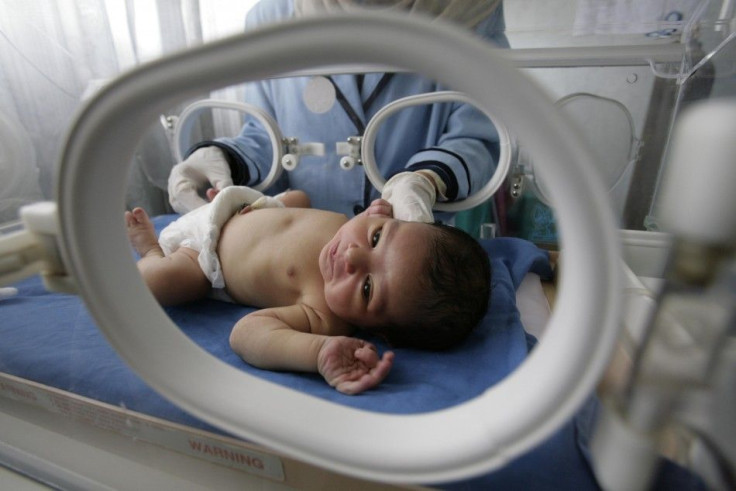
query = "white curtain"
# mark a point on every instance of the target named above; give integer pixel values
(54, 53)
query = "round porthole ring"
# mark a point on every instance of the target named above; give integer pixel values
(371, 132)
(468, 439)
(191, 112)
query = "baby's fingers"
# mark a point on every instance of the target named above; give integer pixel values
(372, 377)
(380, 207)
(367, 354)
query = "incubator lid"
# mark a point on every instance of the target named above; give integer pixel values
(607, 128)
(508, 419)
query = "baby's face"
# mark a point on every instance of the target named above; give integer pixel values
(370, 269)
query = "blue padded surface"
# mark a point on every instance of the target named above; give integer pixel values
(51, 338)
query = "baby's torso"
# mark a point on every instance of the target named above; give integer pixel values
(270, 257)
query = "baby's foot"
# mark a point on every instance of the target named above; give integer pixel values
(141, 233)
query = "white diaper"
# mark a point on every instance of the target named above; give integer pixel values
(200, 228)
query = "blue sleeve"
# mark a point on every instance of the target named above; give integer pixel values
(467, 152)
(250, 154)
(493, 28)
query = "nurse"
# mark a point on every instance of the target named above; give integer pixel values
(444, 151)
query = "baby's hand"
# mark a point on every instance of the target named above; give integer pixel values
(352, 365)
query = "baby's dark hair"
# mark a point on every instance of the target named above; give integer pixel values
(454, 294)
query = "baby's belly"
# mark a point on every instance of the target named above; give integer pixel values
(268, 282)
(263, 263)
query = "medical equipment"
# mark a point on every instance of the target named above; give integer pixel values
(607, 126)
(69, 216)
(688, 350)
(358, 150)
(522, 418)
(286, 151)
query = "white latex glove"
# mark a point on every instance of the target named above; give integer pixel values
(206, 167)
(412, 196)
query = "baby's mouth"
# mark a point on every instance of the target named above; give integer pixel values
(333, 257)
(330, 273)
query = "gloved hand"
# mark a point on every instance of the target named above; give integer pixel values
(206, 166)
(412, 196)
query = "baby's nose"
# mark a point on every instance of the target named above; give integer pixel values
(356, 259)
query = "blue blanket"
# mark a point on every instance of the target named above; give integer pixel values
(50, 338)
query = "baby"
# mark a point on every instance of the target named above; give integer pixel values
(317, 276)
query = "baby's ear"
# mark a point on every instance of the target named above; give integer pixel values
(380, 207)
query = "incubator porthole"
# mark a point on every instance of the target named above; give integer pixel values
(446, 96)
(513, 419)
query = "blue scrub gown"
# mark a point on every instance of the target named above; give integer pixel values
(455, 140)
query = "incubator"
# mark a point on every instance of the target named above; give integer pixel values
(643, 313)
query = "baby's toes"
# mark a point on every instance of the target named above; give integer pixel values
(130, 220)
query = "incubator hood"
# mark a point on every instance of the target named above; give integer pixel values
(476, 436)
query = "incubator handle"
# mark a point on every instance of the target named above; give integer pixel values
(371, 130)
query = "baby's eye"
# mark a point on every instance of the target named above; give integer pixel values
(367, 286)
(375, 238)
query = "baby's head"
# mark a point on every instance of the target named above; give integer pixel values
(419, 285)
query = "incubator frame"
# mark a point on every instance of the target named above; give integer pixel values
(476, 436)
(361, 148)
(184, 123)
(483, 194)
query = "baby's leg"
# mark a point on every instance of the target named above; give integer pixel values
(141, 234)
(173, 279)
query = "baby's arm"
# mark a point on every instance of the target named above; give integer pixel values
(294, 198)
(281, 339)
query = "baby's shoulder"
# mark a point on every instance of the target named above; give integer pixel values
(322, 320)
